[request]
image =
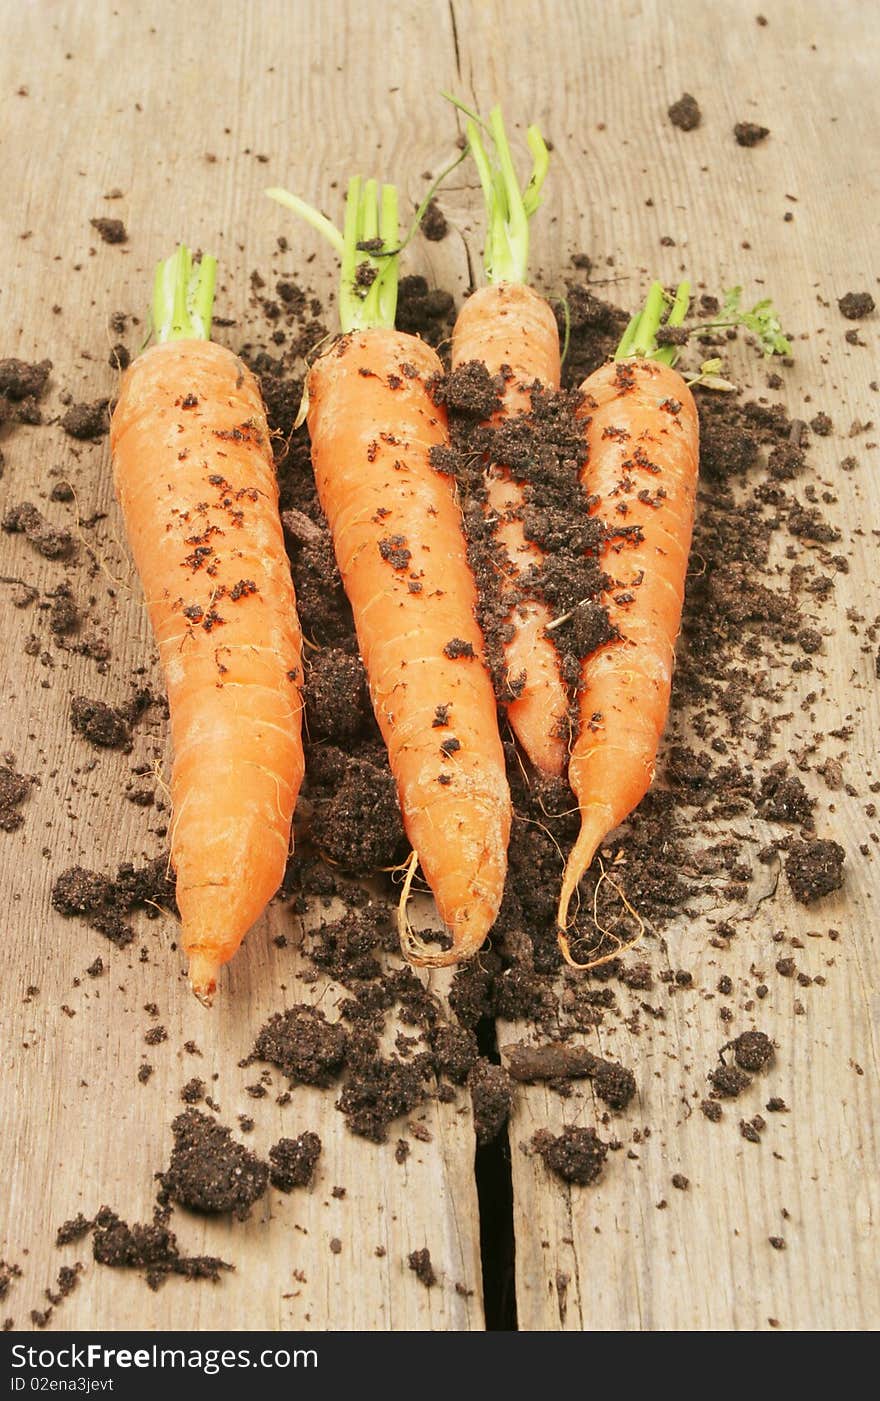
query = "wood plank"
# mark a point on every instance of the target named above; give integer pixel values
(607, 1257)
(269, 80)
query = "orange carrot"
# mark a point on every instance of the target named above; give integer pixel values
(399, 542)
(196, 482)
(507, 325)
(642, 432)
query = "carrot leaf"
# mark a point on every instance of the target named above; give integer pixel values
(508, 207)
(368, 248)
(761, 320)
(183, 296)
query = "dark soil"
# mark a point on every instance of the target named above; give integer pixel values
(105, 902)
(151, 1248)
(53, 542)
(576, 1155)
(209, 1171)
(434, 225)
(752, 1050)
(855, 305)
(419, 1262)
(307, 1048)
(14, 789)
(685, 113)
(814, 869)
(87, 421)
(492, 1098)
(101, 724)
(110, 230)
(749, 133)
(292, 1161)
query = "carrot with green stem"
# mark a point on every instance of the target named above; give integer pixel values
(507, 326)
(195, 478)
(399, 542)
(642, 433)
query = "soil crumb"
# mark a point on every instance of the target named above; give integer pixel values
(854, 305)
(110, 230)
(491, 1095)
(419, 1262)
(102, 725)
(434, 224)
(749, 133)
(301, 1042)
(209, 1171)
(104, 902)
(752, 1050)
(576, 1155)
(14, 789)
(52, 542)
(86, 421)
(151, 1248)
(814, 869)
(685, 113)
(292, 1161)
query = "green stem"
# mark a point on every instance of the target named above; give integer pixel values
(639, 340)
(508, 208)
(368, 274)
(183, 297)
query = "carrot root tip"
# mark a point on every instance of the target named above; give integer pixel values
(203, 970)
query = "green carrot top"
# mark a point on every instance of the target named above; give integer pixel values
(508, 208)
(368, 249)
(183, 297)
(639, 340)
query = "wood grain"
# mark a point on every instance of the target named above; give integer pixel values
(130, 98)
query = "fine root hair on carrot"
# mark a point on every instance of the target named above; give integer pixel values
(621, 945)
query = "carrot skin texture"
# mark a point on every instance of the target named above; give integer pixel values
(509, 324)
(399, 543)
(625, 685)
(196, 482)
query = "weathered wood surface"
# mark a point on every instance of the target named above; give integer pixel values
(131, 98)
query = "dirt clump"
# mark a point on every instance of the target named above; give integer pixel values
(86, 421)
(576, 1155)
(750, 133)
(104, 901)
(304, 1046)
(52, 542)
(491, 1097)
(152, 1248)
(292, 1161)
(210, 1172)
(685, 113)
(14, 789)
(814, 869)
(110, 230)
(419, 1262)
(855, 305)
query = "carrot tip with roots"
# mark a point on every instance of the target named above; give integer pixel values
(203, 970)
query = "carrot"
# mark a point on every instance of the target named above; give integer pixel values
(508, 326)
(196, 482)
(642, 433)
(399, 542)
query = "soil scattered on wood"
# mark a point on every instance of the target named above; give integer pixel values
(576, 1155)
(749, 133)
(210, 1172)
(685, 113)
(292, 1161)
(110, 230)
(419, 1262)
(814, 868)
(855, 305)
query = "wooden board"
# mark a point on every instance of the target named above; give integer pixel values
(130, 98)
